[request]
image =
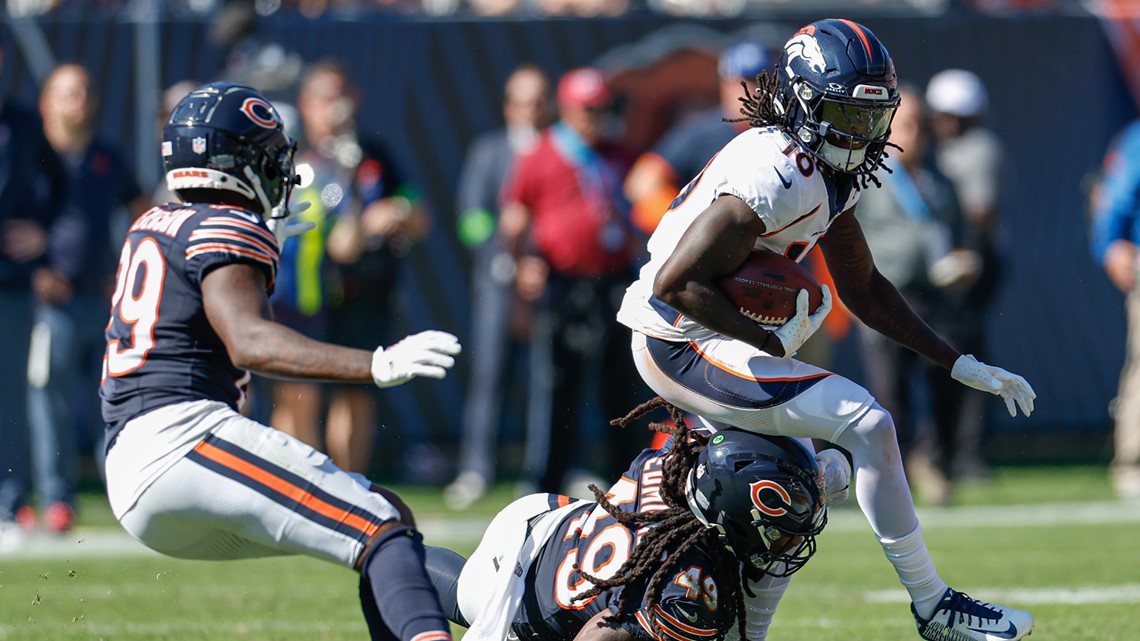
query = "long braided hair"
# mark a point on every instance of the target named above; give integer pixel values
(675, 531)
(758, 109)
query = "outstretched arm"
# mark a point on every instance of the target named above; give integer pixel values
(238, 309)
(871, 297)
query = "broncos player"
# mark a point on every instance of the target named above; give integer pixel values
(188, 475)
(665, 555)
(819, 126)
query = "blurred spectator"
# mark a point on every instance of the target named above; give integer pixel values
(1115, 236)
(910, 223)
(32, 188)
(73, 288)
(565, 219)
(971, 156)
(500, 320)
(368, 217)
(683, 151)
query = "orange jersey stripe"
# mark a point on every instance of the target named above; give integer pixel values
(284, 487)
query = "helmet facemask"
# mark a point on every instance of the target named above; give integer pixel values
(772, 530)
(846, 134)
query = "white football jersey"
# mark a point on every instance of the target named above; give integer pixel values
(781, 182)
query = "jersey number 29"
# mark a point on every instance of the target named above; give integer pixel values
(138, 292)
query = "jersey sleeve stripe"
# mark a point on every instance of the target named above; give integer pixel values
(225, 235)
(804, 217)
(241, 224)
(286, 488)
(205, 248)
(646, 625)
(676, 627)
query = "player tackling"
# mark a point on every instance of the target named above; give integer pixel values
(819, 127)
(188, 475)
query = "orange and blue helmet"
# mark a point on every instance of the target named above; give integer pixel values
(762, 496)
(228, 137)
(837, 93)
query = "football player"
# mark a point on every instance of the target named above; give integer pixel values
(189, 476)
(665, 554)
(819, 126)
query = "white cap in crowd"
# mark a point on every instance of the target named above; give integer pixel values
(957, 92)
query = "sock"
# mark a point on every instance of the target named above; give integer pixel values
(916, 571)
(400, 590)
(760, 609)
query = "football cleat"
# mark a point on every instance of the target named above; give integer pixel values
(957, 617)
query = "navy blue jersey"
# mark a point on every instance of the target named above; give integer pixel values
(161, 348)
(687, 609)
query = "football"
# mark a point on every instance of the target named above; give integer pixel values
(765, 287)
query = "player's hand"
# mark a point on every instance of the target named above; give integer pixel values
(283, 226)
(1013, 389)
(800, 327)
(834, 476)
(428, 354)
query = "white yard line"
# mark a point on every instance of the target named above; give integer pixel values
(1125, 593)
(110, 542)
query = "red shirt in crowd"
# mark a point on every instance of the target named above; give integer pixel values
(568, 218)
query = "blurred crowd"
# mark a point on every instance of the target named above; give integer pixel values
(584, 8)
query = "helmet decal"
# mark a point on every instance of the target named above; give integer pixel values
(260, 112)
(758, 499)
(227, 137)
(804, 45)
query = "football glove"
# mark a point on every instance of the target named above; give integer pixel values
(800, 327)
(834, 476)
(1013, 389)
(427, 354)
(283, 226)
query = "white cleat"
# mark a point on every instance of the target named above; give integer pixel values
(957, 617)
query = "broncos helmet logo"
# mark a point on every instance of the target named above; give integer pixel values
(804, 45)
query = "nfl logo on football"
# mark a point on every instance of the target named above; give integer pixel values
(198, 145)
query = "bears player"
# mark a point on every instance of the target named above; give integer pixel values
(664, 555)
(188, 475)
(819, 127)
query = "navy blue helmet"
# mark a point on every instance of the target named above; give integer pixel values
(761, 494)
(228, 137)
(837, 93)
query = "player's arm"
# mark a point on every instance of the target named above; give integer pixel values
(596, 629)
(717, 243)
(237, 307)
(873, 298)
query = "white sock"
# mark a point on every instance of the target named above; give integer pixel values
(760, 608)
(915, 569)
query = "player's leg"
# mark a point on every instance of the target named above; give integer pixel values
(731, 382)
(199, 481)
(444, 567)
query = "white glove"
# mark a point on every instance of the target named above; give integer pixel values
(800, 327)
(834, 476)
(428, 354)
(995, 380)
(283, 226)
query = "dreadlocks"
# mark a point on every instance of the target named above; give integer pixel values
(659, 550)
(759, 110)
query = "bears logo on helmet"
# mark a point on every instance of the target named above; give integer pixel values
(227, 138)
(761, 494)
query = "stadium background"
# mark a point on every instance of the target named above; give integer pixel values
(429, 85)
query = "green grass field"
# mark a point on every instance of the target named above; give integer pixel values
(1050, 540)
